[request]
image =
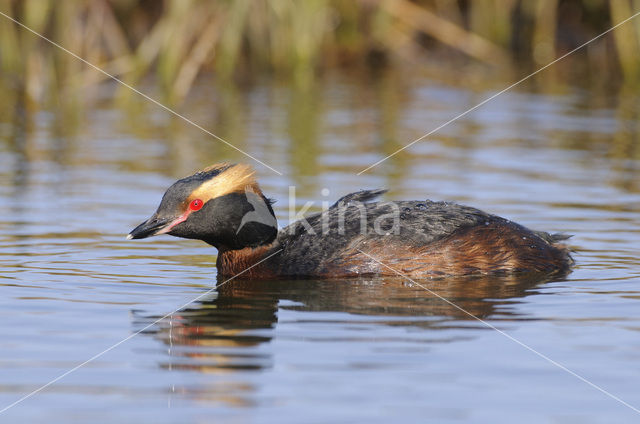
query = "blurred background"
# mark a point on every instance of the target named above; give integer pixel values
(217, 52)
(318, 90)
(239, 41)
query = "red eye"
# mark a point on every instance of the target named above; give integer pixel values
(196, 205)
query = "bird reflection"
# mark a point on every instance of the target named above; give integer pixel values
(231, 330)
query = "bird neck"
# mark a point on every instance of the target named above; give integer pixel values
(244, 263)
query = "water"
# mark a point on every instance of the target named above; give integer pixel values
(75, 179)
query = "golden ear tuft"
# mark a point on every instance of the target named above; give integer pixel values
(233, 179)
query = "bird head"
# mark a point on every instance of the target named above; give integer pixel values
(221, 205)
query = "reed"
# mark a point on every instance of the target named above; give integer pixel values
(177, 41)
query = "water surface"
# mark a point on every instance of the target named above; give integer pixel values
(74, 182)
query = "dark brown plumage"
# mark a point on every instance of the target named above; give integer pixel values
(354, 237)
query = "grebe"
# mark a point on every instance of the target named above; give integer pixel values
(223, 206)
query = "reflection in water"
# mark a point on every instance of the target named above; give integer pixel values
(74, 173)
(331, 125)
(225, 332)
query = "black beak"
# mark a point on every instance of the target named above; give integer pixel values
(148, 228)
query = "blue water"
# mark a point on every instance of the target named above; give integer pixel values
(371, 350)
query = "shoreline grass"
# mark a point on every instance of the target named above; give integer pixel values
(177, 41)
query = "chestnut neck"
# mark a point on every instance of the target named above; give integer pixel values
(242, 262)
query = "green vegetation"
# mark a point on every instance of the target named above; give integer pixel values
(176, 41)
